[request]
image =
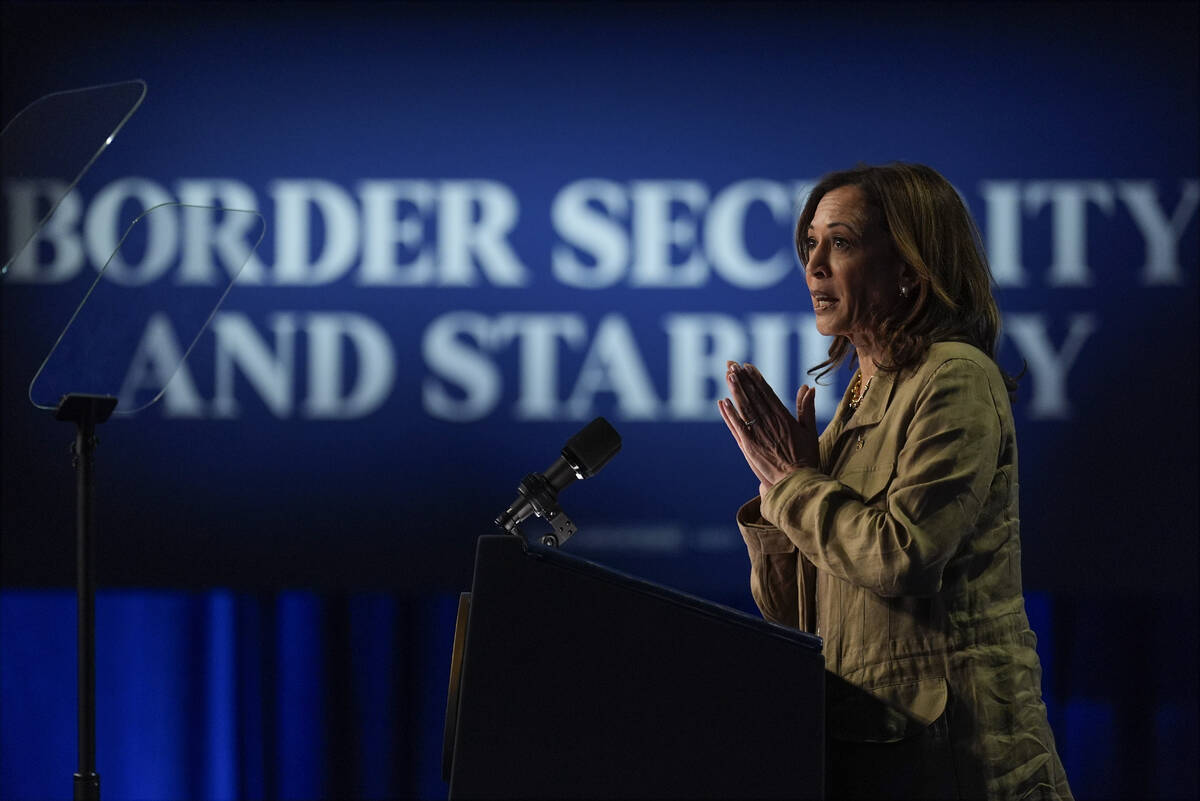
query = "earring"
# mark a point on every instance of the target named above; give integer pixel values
(903, 291)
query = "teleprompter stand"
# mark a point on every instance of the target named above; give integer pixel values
(86, 412)
(570, 680)
(59, 136)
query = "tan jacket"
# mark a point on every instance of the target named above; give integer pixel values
(902, 552)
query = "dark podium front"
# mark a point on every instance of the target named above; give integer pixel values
(570, 680)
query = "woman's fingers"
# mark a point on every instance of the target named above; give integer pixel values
(806, 407)
(753, 396)
(808, 446)
(756, 386)
(738, 429)
(738, 389)
(764, 395)
(736, 425)
(773, 442)
(731, 418)
(809, 411)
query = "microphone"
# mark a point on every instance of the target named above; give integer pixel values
(582, 457)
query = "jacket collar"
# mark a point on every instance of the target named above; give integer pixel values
(874, 404)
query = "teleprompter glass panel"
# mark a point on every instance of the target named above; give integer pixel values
(47, 147)
(144, 312)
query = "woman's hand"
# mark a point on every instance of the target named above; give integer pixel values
(773, 442)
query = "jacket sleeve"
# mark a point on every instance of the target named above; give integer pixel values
(772, 567)
(900, 544)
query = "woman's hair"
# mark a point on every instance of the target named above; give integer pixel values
(931, 230)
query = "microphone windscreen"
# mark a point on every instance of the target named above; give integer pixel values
(592, 447)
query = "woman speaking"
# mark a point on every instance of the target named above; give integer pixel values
(894, 535)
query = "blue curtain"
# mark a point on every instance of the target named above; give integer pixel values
(229, 695)
(223, 695)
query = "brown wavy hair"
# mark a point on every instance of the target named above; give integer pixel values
(931, 230)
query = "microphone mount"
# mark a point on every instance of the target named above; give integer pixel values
(582, 457)
(540, 494)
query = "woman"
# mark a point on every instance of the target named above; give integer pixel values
(894, 536)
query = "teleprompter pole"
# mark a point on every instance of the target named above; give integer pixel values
(86, 411)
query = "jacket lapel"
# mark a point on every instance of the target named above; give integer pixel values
(874, 404)
(845, 426)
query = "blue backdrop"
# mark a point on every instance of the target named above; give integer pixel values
(487, 224)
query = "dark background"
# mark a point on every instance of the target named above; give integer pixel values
(233, 520)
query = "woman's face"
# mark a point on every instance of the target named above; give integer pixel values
(852, 270)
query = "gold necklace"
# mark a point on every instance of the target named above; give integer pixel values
(860, 391)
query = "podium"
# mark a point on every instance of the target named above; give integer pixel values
(570, 680)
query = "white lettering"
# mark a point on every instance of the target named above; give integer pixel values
(614, 364)
(270, 372)
(373, 355)
(814, 349)
(1003, 202)
(661, 236)
(158, 367)
(1160, 233)
(592, 231)
(539, 336)
(28, 202)
(394, 218)
(1068, 221)
(295, 236)
(725, 234)
(461, 234)
(466, 382)
(230, 232)
(700, 345)
(155, 232)
(1048, 367)
(769, 335)
(473, 374)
